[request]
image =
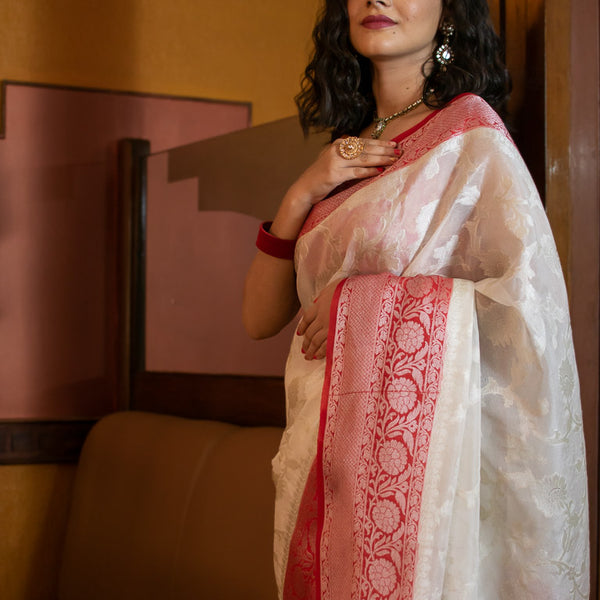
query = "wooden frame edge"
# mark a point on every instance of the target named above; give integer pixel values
(242, 400)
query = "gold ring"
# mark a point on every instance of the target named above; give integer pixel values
(351, 147)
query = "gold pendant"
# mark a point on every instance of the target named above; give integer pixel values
(379, 129)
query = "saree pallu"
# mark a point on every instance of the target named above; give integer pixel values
(437, 453)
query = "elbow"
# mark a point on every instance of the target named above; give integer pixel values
(255, 329)
(254, 332)
(261, 323)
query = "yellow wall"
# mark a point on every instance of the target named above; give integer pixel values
(239, 50)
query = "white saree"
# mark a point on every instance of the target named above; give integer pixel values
(438, 452)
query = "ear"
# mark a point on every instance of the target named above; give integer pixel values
(446, 12)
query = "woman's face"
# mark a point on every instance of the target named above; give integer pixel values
(384, 30)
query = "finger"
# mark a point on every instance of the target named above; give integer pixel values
(308, 316)
(377, 161)
(377, 148)
(372, 156)
(376, 152)
(377, 155)
(314, 343)
(352, 147)
(311, 335)
(364, 172)
(321, 351)
(362, 147)
(301, 327)
(368, 142)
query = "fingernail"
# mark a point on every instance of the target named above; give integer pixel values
(398, 151)
(302, 349)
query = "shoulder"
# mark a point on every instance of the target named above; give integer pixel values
(467, 112)
(467, 122)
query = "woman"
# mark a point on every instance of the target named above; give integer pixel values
(438, 451)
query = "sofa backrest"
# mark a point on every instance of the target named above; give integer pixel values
(166, 507)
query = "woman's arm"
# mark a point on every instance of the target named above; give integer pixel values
(270, 300)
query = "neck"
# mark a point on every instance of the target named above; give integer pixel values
(395, 87)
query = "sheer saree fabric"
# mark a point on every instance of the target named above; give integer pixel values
(463, 478)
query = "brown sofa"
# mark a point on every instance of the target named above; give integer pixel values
(171, 508)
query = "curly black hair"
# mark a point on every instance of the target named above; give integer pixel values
(336, 93)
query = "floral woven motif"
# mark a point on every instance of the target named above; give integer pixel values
(301, 576)
(375, 437)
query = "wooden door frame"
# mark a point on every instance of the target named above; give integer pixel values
(573, 198)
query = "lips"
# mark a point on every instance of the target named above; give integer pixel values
(377, 22)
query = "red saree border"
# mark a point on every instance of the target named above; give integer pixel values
(302, 581)
(301, 576)
(333, 316)
(464, 113)
(375, 428)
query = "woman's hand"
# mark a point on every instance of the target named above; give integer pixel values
(314, 325)
(270, 300)
(331, 169)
